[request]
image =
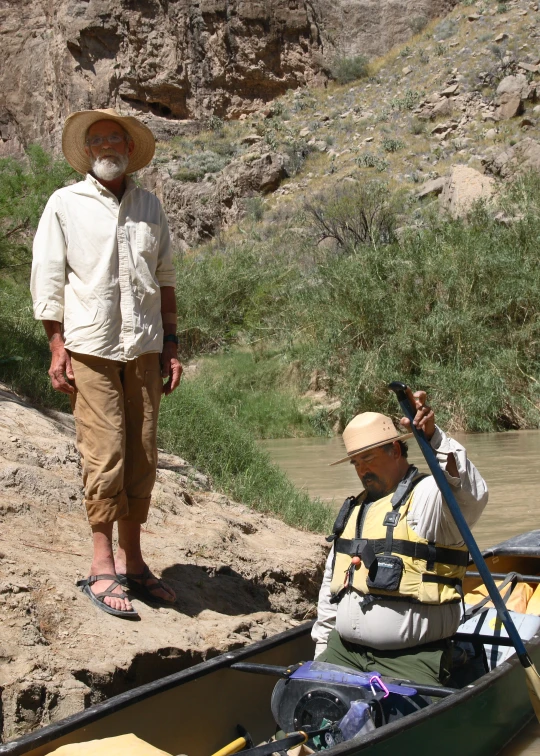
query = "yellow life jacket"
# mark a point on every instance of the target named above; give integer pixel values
(383, 556)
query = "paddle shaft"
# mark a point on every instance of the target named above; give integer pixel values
(444, 487)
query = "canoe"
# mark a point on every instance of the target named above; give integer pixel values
(196, 711)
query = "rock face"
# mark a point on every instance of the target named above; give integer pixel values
(239, 576)
(195, 212)
(179, 59)
(521, 158)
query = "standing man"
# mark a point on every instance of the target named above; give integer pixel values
(391, 592)
(103, 286)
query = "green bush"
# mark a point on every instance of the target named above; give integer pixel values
(417, 126)
(409, 101)
(369, 160)
(195, 427)
(392, 145)
(196, 166)
(417, 24)
(345, 70)
(446, 29)
(364, 213)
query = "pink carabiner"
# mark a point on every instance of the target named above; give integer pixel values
(380, 683)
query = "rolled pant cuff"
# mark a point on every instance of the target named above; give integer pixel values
(137, 510)
(101, 511)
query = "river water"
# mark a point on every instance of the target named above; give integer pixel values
(509, 462)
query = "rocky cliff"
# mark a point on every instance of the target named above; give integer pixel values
(177, 59)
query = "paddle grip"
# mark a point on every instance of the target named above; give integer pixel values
(409, 411)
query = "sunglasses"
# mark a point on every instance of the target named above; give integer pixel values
(97, 141)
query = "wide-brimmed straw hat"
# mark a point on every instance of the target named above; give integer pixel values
(74, 134)
(367, 431)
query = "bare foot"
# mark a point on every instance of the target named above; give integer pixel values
(120, 604)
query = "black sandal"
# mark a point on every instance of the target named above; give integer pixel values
(98, 598)
(145, 592)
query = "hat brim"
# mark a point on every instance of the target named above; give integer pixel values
(74, 133)
(356, 452)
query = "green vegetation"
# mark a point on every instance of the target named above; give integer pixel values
(369, 160)
(392, 145)
(258, 391)
(344, 70)
(196, 166)
(24, 353)
(195, 427)
(452, 308)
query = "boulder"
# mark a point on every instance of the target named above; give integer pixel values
(510, 105)
(463, 187)
(442, 108)
(514, 85)
(433, 187)
(522, 157)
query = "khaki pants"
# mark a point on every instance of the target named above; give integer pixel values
(116, 407)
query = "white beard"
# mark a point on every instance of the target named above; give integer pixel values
(110, 167)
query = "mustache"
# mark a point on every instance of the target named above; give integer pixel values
(111, 154)
(370, 478)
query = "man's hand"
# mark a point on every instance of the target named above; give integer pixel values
(425, 418)
(60, 367)
(171, 368)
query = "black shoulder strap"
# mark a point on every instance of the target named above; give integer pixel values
(391, 519)
(343, 517)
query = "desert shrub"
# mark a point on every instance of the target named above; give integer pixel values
(440, 49)
(417, 24)
(423, 56)
(417, 126)
(196, 166)
(345, 70)
(406, 51)
(392, 145)
(410, 100)
(369, 160)
(215, 123)
(254, 208)
(297, 152)
(25, 187)
(364, 213)
(446, 29)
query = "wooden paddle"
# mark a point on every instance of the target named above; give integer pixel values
(532, 676)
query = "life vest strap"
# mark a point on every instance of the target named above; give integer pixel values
(411, 549)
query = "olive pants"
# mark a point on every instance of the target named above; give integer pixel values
(428, 664)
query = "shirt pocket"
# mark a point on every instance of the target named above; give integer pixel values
(147, 239)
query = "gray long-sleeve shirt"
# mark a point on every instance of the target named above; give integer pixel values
(392, 624)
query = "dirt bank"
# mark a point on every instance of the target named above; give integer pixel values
(239, 577)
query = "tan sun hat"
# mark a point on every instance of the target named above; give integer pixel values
(367, 431)
(77, 124)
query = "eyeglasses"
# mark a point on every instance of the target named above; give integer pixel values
(97, 141)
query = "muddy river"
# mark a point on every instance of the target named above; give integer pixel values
(509, 462)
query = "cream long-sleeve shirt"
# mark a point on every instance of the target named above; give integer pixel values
(401, 624)
(98, 266)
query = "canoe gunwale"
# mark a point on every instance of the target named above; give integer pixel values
(94, 713)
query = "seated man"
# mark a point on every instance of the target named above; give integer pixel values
(391, 593)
